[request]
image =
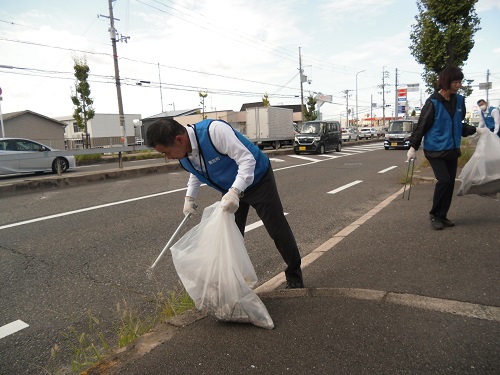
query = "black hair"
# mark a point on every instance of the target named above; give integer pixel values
(448, 75)
(163, 132)
(480, 100)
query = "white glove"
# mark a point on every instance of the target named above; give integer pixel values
(189, 206)
(412, 154)
(231, 200)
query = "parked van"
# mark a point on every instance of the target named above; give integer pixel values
(398, 134)
(319, 137)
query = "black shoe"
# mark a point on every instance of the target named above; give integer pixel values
(436, 223)
(294, 285)
(447, 223)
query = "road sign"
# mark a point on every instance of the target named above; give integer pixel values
(401, 93)
(485, 86)
(412, 87)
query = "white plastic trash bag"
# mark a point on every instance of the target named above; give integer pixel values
(481, 174)
(214, 267)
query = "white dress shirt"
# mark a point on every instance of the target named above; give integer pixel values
(226, 142)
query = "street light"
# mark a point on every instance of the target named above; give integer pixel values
(361, 71)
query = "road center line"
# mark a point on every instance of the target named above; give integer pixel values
(387, 169)
(345, 187)
(11, 328)
(257, 224)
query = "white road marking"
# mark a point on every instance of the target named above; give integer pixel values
(275, 159)
(11, 328)
(344, 153)
(303, 158)
(345, 187)
(89, 209)
(387, 169)
(330, 156)
(255, 225)
(353, 150)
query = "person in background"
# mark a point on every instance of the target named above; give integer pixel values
(219, 156)
(441, 126)
(489, 117)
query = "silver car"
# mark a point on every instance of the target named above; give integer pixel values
(33, 157)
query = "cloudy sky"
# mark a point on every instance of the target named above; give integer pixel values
(234, 50)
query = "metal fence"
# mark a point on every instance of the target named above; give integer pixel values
(94, 142)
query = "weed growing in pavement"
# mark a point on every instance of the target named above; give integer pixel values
(86, 349)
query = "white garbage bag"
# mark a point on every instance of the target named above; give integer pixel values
(481, 174)
(214, 267)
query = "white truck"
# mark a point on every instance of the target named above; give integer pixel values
(269, 126)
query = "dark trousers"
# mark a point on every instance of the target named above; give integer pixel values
(264, 198)
(445, 171)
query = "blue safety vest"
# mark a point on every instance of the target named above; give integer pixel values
(488, 119)
(219, 169)
(446, 132)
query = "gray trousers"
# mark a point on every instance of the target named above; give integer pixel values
(264, 198)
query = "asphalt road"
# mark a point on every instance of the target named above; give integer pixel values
(87, 248)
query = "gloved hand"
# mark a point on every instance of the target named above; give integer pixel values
(412, 154)
(231, 201)
(189, 206)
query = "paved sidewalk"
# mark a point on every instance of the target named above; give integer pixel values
(385, 295)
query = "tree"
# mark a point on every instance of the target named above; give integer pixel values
(265, 100)
(310, 113)
(202, 96)
(81, 98)
(443, 36)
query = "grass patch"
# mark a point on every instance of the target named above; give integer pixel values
(467, 149)
(88, 157)
(85, 349)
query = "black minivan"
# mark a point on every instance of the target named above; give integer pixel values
(318, 136)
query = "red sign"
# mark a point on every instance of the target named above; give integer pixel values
(401, 93)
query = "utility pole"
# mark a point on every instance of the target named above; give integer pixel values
(112, 32)
(487, 86)
(161, 94)
(346, 92)
(384, 76)
(357, 115)
(371, 110)
(301, 88)
(396, 104)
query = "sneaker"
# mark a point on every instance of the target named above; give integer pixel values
(447, 223)
(436, 223)
(294, 285)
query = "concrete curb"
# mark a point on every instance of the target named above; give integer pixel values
(8, 188)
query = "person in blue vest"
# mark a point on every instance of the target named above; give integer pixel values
(219, 156)
(441, 126)
(489, 117)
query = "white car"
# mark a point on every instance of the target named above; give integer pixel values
(349, 135)
(39, 163)
(367, 132)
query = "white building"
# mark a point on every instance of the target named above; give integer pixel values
(103, 129)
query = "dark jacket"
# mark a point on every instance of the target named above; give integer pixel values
(449, 116)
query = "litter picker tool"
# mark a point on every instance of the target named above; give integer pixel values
(149, 272)
(411, 165)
